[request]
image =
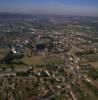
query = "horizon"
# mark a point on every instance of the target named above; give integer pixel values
(51, 7)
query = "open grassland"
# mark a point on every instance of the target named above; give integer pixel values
(39, 60)
(32, 60)
(53, 60)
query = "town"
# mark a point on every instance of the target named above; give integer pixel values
(48, 57)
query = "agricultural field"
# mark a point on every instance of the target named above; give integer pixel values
(86, 92)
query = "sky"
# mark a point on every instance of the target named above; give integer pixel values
(60, 7)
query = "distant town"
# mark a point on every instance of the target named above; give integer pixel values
(48, 57)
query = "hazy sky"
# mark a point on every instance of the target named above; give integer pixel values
(62, 7)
